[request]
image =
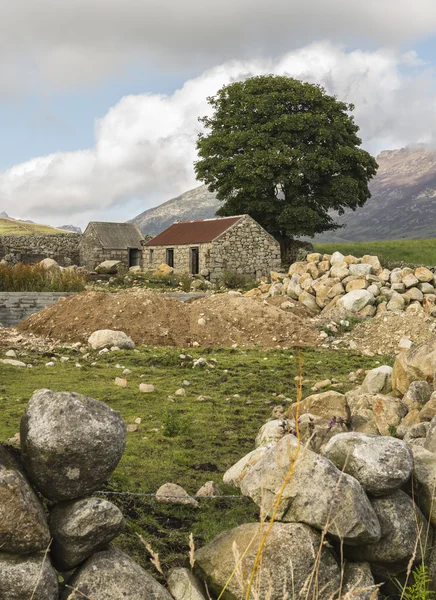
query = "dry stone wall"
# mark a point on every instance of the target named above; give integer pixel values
(16, 306)
(62, 247)
(247, 248)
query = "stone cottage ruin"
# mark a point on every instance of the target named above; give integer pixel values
(111, 241)
(212, 246)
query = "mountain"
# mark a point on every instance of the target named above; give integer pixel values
(72, 228)
(198, 203)
(403, 202)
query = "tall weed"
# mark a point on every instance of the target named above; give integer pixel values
(34, 278)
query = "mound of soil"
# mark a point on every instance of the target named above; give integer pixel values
(151, 318)
(382, 334)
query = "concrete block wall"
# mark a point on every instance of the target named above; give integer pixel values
(16, 306)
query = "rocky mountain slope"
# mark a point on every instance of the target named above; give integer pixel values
(403, 202)
(198, 203)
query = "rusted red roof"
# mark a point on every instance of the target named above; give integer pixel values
(193, 232)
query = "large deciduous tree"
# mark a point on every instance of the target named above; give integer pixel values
(284, 152)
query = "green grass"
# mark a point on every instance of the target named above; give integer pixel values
(11, 227)
(419, 252)
(181, 439)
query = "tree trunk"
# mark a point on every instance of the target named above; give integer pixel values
(293, 250)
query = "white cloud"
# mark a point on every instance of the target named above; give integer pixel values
(63, 43)
(145, 144)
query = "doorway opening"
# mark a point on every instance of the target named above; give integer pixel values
(134, 257)
(195, 261)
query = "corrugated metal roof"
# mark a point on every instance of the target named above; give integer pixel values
(193, 232)
(117, 236)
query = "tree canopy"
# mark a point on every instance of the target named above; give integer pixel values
(284, 152)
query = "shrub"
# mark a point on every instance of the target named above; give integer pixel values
(34, 278)
(235, 280)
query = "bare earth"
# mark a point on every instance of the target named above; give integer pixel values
(150, 318)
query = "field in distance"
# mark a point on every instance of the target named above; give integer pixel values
(419, 252)
(13, 227)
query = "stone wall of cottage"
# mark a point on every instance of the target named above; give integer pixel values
(62, 247)
(246, 248)
(182, 256)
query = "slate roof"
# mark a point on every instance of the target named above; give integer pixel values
(193, 232)
(117, 236)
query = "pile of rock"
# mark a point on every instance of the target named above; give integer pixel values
(357, 285)
(70, 445)
(360, 475)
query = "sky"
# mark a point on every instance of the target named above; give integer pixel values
(100, 99)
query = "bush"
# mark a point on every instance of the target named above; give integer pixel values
(34, 278)
(235, 280)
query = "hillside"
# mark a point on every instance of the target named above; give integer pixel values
(14, 227)
(198, 203)
(403, 203)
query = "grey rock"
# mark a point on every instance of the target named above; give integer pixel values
(12, 362)
(171, 493)
(23, 524)
(360, 269)
(108, 338)
(425, 477)
(80, 528)
(70, 443)
(108, 267)
(317, 493)
(235, 474)
(378, 381)
(417, 395)
(20, 574)
(112, 575)
(380, 464)
(356, 301)
(288, 559)
(271, 432)
(183, 585)
(430, 442)
(358, 582)
(400, 522)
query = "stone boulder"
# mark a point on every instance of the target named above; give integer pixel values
(81, 527)
(108, 267)
(70, 443)
(417, 395)
(354, 302)
(417, 363)
(272, 431)
(425, 476)
(327, 405)
(378, 381)
(358, 582)
(111, 575)
(402, 524)
(183, 585)
(239, 470)
(23, 525)
(316, 492)
(107, 338)
(289, 558)
(430, 442)
(376, 413)
(49, 264)
(171, 493)
(380, 464)
(28, 577)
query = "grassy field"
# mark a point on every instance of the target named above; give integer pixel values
(184, 440)
(11, 227)
(420, 252)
